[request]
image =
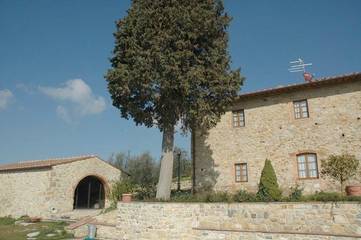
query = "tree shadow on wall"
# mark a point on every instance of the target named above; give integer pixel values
(206, 174)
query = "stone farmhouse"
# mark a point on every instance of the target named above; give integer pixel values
(55, 186)
(295, 127)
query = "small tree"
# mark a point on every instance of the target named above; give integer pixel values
(340, 168)
(268, 188)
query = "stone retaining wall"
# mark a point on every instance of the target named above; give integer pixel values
(239, 221)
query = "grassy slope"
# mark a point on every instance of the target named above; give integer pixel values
(8, 230)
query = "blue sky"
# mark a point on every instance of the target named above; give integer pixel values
(54, 54)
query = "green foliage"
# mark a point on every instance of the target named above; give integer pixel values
(25, 218)
(145, 192)
(296, 194)
(118, 188)
(353, 198)
(10, 230)
(268, 189)
(331, 197)
(112, 207)
(184, 196)
(119, 160)
(143, 170)
(202, 197)
(244, 196)
(7, 220)
(219, 197)
(325, 197)
(340, 168)
(170, 63)
(143, 173)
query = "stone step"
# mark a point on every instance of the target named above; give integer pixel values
(81, 222)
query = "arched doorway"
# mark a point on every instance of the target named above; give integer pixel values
(89, 194)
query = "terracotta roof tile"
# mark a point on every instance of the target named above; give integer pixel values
(305, 85)
(42, 163)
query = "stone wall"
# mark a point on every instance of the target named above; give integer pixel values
(222, 221)
(23, 192)
(65, 178)
(50, 191)
(271, 131)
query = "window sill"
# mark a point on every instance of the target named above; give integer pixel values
(308, 178)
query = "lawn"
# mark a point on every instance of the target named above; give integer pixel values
(47, 230)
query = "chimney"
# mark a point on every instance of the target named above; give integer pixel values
(307, 76)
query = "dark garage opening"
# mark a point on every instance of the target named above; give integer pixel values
(89, 194)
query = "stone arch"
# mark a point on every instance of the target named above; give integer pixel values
(90, 192)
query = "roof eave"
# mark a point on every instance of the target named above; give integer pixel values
(301, 86)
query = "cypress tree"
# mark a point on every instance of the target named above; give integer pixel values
(268, 189)
(170, 65)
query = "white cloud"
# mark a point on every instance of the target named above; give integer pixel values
(5, 97)
(63, 114)
(77, 98)
(25, 88)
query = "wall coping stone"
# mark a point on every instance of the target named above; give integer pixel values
(279, 232)
(244, 203)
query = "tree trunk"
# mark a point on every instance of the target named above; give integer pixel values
(342, 187)
(166, 165)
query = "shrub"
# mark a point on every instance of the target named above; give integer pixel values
(353, 198)
(340, 168)
(331, 197)
(326, 197)
(145, 192)
(184, 196)
(296, 194)
(218, 197)
(7, 220)
(244, 196)
(187, 196)
(25, 218)
(268, 189)
(118, 188)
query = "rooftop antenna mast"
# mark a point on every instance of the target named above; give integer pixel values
(300, 66)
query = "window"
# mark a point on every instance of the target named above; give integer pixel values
(238, 118)
(241, 172)
(301, 109)
(307, 165)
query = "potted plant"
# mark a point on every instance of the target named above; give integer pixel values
(341, 168)
(121, 190)
(353, 190)
(126, 197)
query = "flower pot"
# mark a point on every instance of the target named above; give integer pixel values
(126, 197)
(353, 190)
(34, 219)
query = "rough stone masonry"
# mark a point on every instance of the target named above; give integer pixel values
(236, 221)
(272, 131)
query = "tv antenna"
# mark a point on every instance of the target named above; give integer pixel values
(300, 66)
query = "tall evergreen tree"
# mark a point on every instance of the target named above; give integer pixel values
(171, 65)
